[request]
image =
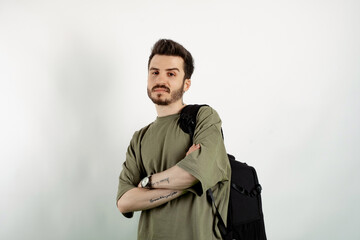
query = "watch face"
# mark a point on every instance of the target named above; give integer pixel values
(144, 182)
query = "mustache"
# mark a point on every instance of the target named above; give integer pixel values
(160, 86)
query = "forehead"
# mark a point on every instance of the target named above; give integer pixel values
(166, 62)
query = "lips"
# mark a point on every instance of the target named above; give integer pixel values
(160, 89)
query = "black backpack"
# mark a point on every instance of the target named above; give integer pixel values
(245, 218)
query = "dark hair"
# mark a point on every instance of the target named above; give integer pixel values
(170, 48)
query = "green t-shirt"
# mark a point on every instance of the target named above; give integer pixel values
(163, 144)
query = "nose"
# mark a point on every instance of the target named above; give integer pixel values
(160, 78)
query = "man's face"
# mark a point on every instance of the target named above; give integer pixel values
(166, 83)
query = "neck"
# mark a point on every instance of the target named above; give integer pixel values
(173, 108)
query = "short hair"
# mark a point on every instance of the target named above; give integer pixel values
(171, 48)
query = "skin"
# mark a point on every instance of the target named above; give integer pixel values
(167, 71)
(165, 87)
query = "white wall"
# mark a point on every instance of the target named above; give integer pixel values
(283, 75)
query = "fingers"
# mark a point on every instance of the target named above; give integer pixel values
(193, 148)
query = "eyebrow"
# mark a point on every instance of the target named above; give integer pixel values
(169, 69)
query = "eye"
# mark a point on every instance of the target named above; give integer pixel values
(170, 74)
(155, 73)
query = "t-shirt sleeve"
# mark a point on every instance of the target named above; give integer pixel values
(210, 163)
(130, 175)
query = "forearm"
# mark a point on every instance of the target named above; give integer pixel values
(138, 199)
(173, 178)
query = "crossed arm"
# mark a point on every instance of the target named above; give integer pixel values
(166, 186)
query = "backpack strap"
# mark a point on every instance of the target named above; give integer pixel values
(221, 224)
(187, 123)
(187, 120)
(252, 193)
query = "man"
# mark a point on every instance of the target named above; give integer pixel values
(163, 176)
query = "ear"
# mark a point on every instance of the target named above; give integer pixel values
(187, 84)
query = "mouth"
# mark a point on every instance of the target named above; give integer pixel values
(161, 89)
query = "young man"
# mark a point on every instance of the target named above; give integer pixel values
(163, 176)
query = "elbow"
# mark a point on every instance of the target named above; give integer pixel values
(127, 202)
(186, 183)
(123, 207)
(193, 182)
(190, 180)
(183, 179)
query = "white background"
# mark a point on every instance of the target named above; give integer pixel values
(283, 75)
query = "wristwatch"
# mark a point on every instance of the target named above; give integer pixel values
(146, 182)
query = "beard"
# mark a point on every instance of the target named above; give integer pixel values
(174, 95)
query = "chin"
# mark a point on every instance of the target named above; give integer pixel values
(159, 101)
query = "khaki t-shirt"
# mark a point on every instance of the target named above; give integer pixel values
(163, 144)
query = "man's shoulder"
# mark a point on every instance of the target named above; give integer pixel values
(206, 112)
(138, 135)
(144, 129)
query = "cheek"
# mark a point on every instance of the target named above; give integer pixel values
(149, 81)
